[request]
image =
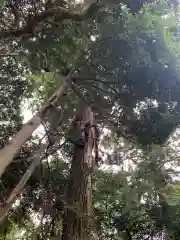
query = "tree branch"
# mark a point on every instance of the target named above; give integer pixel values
(35, 161)
(58, 12)
(13, 147)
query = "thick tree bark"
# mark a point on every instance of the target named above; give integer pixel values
(13, 147)
(78, 216)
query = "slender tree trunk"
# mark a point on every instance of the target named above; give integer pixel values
(13, 147)
(36, 159)
(77, 220)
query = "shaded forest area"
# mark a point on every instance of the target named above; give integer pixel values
(89, 120)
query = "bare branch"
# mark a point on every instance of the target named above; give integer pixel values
(17, 14)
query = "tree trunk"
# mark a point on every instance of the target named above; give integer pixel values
(36, 159)
(13, 147)
(77, 220)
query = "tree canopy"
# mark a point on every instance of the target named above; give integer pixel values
(120, 59)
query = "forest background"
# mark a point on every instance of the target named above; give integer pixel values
(89, 119)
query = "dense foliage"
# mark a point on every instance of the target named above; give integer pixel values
(125, 57)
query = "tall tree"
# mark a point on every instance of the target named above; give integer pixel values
(129, 70)
(9, 151)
